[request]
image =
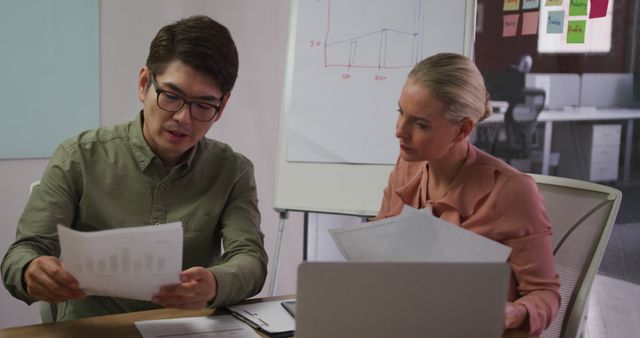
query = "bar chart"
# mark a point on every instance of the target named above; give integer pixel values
(128, 262)
(122, 263)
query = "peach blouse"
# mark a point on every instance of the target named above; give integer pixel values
(492, 199)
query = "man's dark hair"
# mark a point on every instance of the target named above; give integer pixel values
(199, 42)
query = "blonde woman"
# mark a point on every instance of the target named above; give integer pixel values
(442, 100)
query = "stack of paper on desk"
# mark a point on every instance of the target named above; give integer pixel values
(415, 236)
(223, 326)
(128, 262)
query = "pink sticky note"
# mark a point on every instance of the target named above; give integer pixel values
(510, 24)
(598, 8)
(530, 23)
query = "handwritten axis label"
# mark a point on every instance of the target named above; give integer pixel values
(377, 77)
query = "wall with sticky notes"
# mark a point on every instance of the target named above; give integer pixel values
(562, 36)
(575, 26)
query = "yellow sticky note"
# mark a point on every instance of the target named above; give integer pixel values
(553, 3)
(511, 5)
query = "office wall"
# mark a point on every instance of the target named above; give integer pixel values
(15, 178)
(249, 124)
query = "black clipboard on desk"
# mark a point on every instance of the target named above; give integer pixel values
(269, 317)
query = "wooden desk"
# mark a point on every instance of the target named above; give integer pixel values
(548, 117)
(120, 325)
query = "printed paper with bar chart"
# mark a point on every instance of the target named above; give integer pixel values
(127, 262)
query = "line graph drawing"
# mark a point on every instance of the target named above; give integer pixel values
(383, 48)
(349, 61)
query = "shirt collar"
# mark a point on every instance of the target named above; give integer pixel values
(191, 155)
(143, 154)
(141, 151)
(473, 183)
(411, 192)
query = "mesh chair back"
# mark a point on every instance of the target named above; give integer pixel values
(521, 120)
(582, 215)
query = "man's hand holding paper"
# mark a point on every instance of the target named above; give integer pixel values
(197, 286)
(129, 262)
(47, 280)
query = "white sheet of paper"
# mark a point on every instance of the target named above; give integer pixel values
(366, 242)
(223, 326)
(426, 238)
(416, 236)
(127, 262)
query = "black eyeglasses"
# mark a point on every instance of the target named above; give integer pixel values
(173, 102)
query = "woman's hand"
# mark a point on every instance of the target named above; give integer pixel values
(514, 315)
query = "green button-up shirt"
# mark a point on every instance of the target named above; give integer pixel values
(109, 178)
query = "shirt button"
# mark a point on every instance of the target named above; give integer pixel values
(142, 164)
(161, 186)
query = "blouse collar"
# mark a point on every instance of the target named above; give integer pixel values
(474, 181)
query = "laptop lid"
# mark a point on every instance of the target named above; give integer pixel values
(349, 299)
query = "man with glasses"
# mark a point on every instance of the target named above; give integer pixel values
(157, 169)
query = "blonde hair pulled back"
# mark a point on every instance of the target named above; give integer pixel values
(455, 80)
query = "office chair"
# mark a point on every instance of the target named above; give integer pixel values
(48, 311)
(520, 123)
(582, 215)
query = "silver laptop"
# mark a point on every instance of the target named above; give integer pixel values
(348, 299)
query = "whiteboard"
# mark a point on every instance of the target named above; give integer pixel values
(346, 63)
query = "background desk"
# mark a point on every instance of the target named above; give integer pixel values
(578, 115)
